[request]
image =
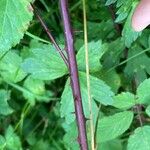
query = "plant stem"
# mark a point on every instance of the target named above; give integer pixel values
(117, 27)
(82, 139)
(88, 76)
(75, 6)
(43, 24)
(129, 59)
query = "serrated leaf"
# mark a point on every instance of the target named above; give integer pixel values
(10, 67)
(67, 104)
(70, 138)
(44, 63)
(14, 17)
(138, 66)
(129, 35)
(124, 8)
(12, 140)
(4, 107)
(140, 139)
(2, 142)
(113, 126)
(109, 2)
(99, 92)
(36, 90)
(95, 50)
(124, 100)
(142, 92)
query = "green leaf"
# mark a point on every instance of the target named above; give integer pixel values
(124, 100)
(70, 138)
(99, 92)
(44, 63)
(111, 145)
(2, 142)
(10, 67)
(138, 66)
(14, 17)
(129, 35)
(95, 50)
(124, 8)
(105, 26)
(113, 126)
(148, 110)
(140, 139)
(41, 145)
(4, 107)
(12, 140)
(36, 90)
(109, 2)
(142, 92)
(67, 103)
(113, 53)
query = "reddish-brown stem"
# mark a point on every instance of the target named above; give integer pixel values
(52, 40)
(80, 118)
(117, 27)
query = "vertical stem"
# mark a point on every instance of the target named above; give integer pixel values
(88, 76)
(74, 76)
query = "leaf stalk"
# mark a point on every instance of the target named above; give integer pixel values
(53, 41)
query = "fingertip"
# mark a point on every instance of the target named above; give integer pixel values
(136, 24)
(141, 18)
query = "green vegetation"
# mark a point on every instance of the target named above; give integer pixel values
(37, 110)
